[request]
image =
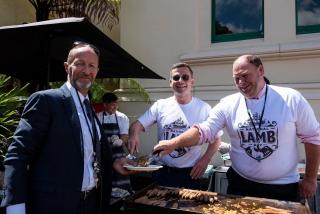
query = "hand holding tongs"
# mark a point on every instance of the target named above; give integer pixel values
(129, 155)
(154, 155)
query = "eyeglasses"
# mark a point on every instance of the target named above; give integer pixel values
(184, 77)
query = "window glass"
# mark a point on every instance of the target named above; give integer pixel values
(237, 19)
(308, 16)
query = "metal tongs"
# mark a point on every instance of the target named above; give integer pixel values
(154, 156)
(150, 157)
(129, 155)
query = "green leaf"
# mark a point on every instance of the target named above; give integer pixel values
(12, 98)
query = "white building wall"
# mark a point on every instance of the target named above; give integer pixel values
(160, 33)
(15, 12)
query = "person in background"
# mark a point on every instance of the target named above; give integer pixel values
(184, 166)
(59, 161)
(263, 122)
(115, 125)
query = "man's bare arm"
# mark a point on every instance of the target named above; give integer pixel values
(189, 138)
(200, 167)
(308, 185)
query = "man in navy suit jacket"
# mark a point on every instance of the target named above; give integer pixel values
(59, 160)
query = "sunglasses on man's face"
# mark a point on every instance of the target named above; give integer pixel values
(184, 77)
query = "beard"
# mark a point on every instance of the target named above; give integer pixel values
(80, 86)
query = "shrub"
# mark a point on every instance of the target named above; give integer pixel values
(12, 99)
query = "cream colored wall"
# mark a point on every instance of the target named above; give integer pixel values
(16, 12)
(113, 34)
(160, 33)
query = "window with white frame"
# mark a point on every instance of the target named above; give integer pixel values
(307, 16)
(236, 20)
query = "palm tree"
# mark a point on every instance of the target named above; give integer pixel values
(105, 12)
(11, 99)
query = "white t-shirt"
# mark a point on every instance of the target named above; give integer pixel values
(274, 159)
(123, 120)
(173, 119)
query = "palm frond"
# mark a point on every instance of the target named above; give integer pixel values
(104, 12)
(57, 84)
(11, 100)
(134, 87)
(97, 91)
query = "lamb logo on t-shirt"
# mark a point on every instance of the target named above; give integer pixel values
(175, 129)
(262, 144)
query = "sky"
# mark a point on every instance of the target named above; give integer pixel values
(308, 12)
(240, 15)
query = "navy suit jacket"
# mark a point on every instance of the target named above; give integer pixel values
(44, 163)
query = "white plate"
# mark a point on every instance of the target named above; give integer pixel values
(142, 168)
